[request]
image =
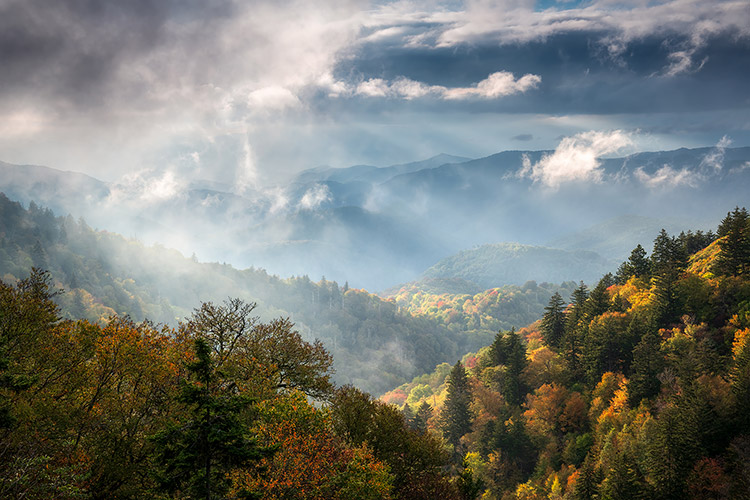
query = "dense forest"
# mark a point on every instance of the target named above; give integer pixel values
(376, 343)
(637, 387)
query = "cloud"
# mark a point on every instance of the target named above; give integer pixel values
(314, 197)
(272, 98)
(496, 85)
(686, 25)
(146, 187)
(523, 137)
(576, 159)
(714, 160)
(666, 176)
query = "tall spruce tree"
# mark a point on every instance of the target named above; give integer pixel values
(668, 261)
(637, 265)
(575, 328)
(648, 362)
(734, 258)
(553, 322)
(456, 417)
(508, 350)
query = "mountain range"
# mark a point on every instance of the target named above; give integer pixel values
(380, 226)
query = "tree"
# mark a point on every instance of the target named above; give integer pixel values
(575, 328)
(508, 350)
(195, 454)
(262, 354)
(637, 265)
(416, 459)
(648, 362)
(456, 417)
(423, 415)
(553, 322)
(734, 230)
(668, 260)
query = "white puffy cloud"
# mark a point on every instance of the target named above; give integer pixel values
(576, 158)
(496, 85)
(272, 98)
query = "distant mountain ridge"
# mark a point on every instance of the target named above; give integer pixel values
(379, 226)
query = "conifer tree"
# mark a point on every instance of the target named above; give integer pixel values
(637, 265)
(196, 454)
(553, 322)
(422, 416)
(456, 416)
(508, 350)
(734, 258)
(668, 260)
(575, 328)
(648, 362)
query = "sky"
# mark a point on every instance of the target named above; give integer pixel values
(248, 93)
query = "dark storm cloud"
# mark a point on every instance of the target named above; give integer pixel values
(577, 75)
(165, 81)
(70, 51)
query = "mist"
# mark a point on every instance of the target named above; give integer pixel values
(377, 227)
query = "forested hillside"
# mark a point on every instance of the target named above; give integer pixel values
(217, 408)
(635, 388)
(376, 343)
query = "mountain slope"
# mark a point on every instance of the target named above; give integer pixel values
(500, 264)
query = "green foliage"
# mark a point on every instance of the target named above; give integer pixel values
(508, 350)
(105, 275)
(734, 231)
(637, 265)
(456, 416)
(553, 321)
(194, 455)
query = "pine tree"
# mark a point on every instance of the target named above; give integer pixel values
(668, 260)
(637, 265)
(508, 350)
(196, 454)
(456, 415)
(648, 362)
(575, 328)
(423, 415)
(553, 322)
(734, 258)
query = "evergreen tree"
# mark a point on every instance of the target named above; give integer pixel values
(508, 350)
(668, 260)
(553, 322)
(598, 300)
(587, 485)
(575, 328)
(637, 265)
(734, 258)
(648, 362)
(196, 454)
(422, 416)
(456, 417)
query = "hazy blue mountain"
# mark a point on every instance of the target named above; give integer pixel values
(376, 227)
(501, 264)
(371, 174)
(58, 190)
